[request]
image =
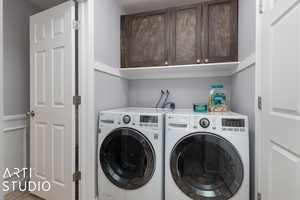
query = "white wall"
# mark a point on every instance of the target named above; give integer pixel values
(111, 92)
(107, 32)
(243, 95)
(247, 28)
(184, 92)
(16, 56)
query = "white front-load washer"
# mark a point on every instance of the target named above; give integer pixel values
(130, 154)
(206, 156)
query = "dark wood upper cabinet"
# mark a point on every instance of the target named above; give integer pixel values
(220, 31)
(201, 33)
(145, 39)
(186, 35)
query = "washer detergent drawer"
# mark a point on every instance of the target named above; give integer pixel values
(106, 120)
(173, 123)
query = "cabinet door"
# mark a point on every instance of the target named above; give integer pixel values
(186, 35)
(146, 39)
(220, 31)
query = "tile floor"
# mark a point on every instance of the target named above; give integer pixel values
(21, 196)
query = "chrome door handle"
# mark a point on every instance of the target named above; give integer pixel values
(30, 114)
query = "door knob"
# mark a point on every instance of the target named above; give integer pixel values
(30, 114)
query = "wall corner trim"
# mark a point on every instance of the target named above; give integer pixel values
(101, 67)
(244, 64)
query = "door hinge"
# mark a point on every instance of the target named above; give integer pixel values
(259, 103)
(77, 176)
(261, 6)
(76, 100)
(259, 197)
(76, 25)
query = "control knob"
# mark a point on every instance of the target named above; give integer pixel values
(126, 119)
(204, 123)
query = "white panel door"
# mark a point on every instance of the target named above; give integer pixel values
(281, 100)
(52, 88)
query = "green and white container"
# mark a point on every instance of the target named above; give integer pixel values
(217, 101)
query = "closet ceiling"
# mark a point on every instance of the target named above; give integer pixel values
(133, 6)
(45, 4)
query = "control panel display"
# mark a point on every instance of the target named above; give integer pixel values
(233, 122)
(149, 119)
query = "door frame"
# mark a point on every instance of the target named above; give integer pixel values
(87, 121)
(86, 91)
(258, 94)
(86, 111)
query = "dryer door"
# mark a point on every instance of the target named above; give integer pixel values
(205, 166)
(127, 158)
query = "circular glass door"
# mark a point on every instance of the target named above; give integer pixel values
(127, 158)
(206, 167)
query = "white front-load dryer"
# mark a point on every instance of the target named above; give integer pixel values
(130, 154)
(206, 156)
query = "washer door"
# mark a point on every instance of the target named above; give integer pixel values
(127, 158)
(206, 167)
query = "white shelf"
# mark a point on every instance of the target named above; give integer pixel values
(181, 71)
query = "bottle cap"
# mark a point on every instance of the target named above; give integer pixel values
(217, 86)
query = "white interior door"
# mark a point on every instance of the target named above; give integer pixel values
(281, 100)
(52, 75)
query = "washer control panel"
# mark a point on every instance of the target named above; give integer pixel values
(135, 118)
(217, 123)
